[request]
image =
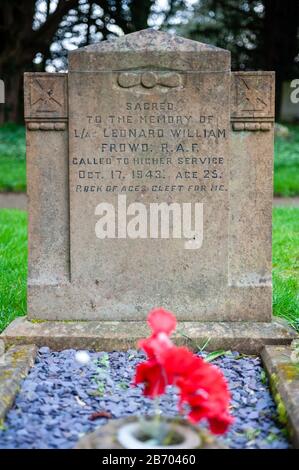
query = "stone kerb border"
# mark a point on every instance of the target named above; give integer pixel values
(15, 364)
(284, 384)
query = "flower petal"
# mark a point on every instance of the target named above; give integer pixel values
(161, 321)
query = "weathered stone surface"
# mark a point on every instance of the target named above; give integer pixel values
(251, 192)
(47, 173)
(14, 366)
(159, 119)
(105, 437)
(154, 99)
(284, 381)
(149, 48)
(45, 97)
(2, 351)
(246, 337)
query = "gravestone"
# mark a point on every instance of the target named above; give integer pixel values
(150, 183)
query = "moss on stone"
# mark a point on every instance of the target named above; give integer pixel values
(18, 356)
(5, 374)
(281, 409)
(290, 371)
(7, 399)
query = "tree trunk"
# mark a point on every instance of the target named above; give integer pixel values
(140, 12)
(16, 25)
(88, 26)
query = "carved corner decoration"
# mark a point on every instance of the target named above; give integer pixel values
(144, 81)
(46, 126)
(252, 101)
(46, 101)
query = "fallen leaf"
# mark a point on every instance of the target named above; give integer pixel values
(100, 414)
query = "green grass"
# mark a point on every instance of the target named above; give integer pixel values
(286, 264)
(12, 158)
(286, 164)
(13, 264)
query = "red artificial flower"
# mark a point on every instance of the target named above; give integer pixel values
(205, 391)
(161, 321)
(151, 374)
(221, 423)
(202, 386)
(180, 362)
(218, 424)
(162, 324)
(155, 346)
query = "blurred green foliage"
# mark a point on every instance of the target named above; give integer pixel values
(13, 265)
(12, 158)
(286, 163)
(286, 264)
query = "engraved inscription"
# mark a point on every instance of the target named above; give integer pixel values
(137, 149)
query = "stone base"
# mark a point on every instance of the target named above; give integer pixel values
(105, 437)
(245, 337)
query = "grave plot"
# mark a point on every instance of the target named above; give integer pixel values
(61, 399)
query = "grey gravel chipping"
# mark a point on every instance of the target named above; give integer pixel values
(58, 397)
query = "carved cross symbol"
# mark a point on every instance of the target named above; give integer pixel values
(43, 94)
(253, 98)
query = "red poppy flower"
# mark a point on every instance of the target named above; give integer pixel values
(156, 346)
(209, 391)
(206, 393)
(162, 324)
(202, 386)
(180, 362)
(220, 424)
(161, 321)
(152, 375)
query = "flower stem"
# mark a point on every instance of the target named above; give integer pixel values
(157, 410)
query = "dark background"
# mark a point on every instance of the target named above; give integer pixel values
(35, 35)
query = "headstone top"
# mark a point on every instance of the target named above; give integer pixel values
(149, 48)
(149, 40)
